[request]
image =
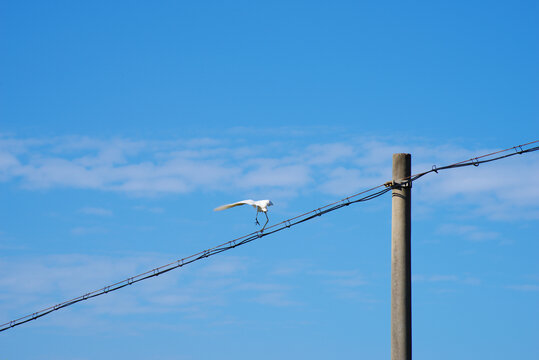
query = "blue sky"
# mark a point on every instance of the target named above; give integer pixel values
(122, 125)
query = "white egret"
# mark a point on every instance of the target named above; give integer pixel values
(259, 205)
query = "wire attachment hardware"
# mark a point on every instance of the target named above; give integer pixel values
(398, 185)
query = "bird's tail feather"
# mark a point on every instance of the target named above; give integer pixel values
(224, 207)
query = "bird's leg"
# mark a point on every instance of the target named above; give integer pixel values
(267, 219)
(256, 219)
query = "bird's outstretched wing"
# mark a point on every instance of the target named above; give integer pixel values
(228, 206)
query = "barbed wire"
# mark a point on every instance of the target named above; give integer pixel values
(366, 195)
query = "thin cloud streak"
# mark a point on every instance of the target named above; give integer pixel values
(150, 168)
(524, 287)
(96, 211)
(42, 281)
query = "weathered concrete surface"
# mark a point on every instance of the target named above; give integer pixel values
(401, 287)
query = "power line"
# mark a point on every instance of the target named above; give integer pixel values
(366, 195)
(195, 257)
(476, 161)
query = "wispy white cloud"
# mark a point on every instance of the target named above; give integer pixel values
(342, 181)
(8, 162)
(88, 230)
(320, 154)
(446, 278)
(500, 190)
(468, 232)
(276, 176)
(434, 278)
(348, 285)
(278, 299)
(524, 287)
(96, 211)
(30, 284)
(151, 209)
(342, 278)
(228, 265)
(291, 267)
(150, 168)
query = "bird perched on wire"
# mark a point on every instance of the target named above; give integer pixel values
(259, 205)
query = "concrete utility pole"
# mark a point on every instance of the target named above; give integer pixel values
(401, 282)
